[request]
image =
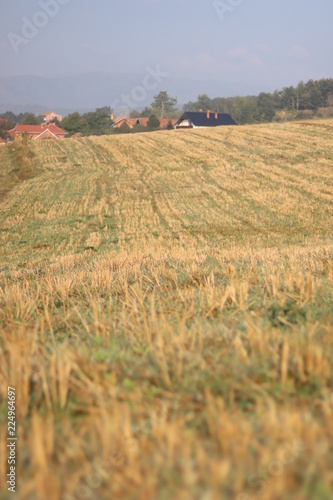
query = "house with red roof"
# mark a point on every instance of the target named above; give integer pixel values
(38, 132)
(119, 121)
(164, 122)
(51, 115)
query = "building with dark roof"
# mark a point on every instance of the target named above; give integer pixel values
(191, 119)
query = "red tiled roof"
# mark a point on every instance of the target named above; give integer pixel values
(55, 129)
(36, 129)
(131, 120)
(28, 129)
(118, 119)
(164, 122)
(144, 121)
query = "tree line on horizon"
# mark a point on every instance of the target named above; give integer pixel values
(99, 122)
(96, 122)
(306, 100)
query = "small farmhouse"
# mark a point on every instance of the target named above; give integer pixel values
(164, 122)
(119, 121)
(191, 119)
(38, 132)
(51, 115)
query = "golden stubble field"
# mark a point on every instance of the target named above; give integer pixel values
(166, 311)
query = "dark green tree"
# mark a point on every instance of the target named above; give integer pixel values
(30, 119)
(314, 95)
(5, 125)
(170, 126)
(99, 121)
(124, 129)
(10, 120)
(288, 98)
(190, 106)
(56, 122)
(153, 122)
(163, 99)
(244, 110)
(139, 128)
(146, 112)
(326, 89)
(266, 107)
(74, 123)
(329, 100)
(222, 105)
(204, 102)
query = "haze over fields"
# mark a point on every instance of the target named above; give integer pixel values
(84, 55)
(88, 91)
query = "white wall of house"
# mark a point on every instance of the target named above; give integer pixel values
(186, 123)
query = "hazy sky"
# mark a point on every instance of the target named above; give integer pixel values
(270, 43)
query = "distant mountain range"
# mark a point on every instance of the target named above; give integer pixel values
(92, 90)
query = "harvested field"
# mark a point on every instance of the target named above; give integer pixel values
(166, 314)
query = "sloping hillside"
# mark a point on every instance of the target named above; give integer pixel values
(266, 186)
(166, 311)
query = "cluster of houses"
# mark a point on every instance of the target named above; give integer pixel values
(49, 130)
(38, 132)
(120, 121)
(46, 130)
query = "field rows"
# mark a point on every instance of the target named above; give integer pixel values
(166, 312)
